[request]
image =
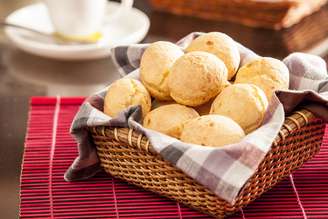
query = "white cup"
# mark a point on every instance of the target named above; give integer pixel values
(81, 18)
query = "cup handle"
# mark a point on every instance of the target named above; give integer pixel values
(125, 6)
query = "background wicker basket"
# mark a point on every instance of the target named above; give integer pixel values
(275, 14)
(128, 155)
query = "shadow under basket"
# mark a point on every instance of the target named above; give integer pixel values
(128, 155)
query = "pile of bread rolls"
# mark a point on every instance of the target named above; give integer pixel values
(202, 96)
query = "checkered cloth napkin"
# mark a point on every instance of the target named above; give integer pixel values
(222, 170)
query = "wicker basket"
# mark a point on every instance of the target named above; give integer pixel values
(257, 13)
(129, 155)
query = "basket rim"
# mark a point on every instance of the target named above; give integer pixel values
(295, 121)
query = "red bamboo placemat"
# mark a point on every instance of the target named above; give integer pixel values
(49, 150)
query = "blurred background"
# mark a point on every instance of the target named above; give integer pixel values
(269, 30)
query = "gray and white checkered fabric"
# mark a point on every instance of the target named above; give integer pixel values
(222, 170)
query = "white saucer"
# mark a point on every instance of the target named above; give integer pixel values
(129, 28)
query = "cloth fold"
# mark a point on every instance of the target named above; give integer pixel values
(222, 170)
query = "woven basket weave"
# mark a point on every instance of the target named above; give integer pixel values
(128, 155)
(274, 14)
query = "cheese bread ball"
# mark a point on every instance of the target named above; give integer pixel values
(169, 119)
(244, 103)
(155, 66)
(212, 130)
(196, 77)
(269, 74)
(220, 45)
(126, 92)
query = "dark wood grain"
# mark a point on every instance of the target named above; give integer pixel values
(310, 35)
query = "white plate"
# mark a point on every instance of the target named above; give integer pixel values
(126, 29)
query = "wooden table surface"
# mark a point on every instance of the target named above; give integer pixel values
(23, 75)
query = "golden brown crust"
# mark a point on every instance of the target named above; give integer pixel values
(196, 77)
(222, 46)
(212, 130)
(155, 66)
(126, 92)
(169, 119)
(269, 74)
(244, 103)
